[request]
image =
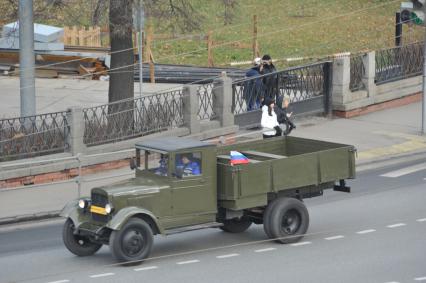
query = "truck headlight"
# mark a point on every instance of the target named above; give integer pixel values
(108, 208)
(82, 203)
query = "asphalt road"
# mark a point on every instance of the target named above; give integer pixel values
(375, 234)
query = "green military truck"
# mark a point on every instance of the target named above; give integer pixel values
(164, 198)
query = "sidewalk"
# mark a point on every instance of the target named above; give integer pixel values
(377, 136)
(53, 95)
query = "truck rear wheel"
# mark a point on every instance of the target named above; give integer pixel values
(267, 217)
(78, 245)
(289, 220)
(133, 242)
(236, 225)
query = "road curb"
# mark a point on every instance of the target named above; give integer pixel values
(29, 217)
(390, 160)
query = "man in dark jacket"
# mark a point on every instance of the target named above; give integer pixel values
(253, 87)
(270, 82)
(283, 114)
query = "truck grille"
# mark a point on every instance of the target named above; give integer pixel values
(101, 201)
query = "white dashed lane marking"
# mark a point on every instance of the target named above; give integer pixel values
(101, 275)
(301, 244)
(59, 281)
(405, 171)
(366, 231)
(188, 262)
(420, 279)
(145, 268)
(421, 220)
(226, 256)
(265, 250)
(334, 238)
(396, 225)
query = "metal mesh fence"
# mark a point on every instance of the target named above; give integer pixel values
(300, 83)
(132, 118)
(32, 136)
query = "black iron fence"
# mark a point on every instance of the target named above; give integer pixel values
(399, 63)
(357, 72)
(205, 98)
(299, 84)
(32, 136)
(132, 118)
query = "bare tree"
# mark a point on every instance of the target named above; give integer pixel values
(101, 7)
(175, 15)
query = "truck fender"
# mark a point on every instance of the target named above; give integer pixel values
(123, 215)
(72, 211)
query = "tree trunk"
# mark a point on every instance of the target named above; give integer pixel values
(120, 25)
(120, 115)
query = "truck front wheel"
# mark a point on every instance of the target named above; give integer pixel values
(133, 242)
(289, 220)
(78, 245)
(236, 225)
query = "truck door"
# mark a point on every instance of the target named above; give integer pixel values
(191, 193)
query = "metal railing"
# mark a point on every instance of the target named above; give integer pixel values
(299, 83)
(357, 72)
(205, 94)
(132, 118)
(399, 63)
(32, 136)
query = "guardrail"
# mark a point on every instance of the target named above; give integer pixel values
(399, 63)
(32, 136)
(299, 83)
(357, 72)
(205, 94)
(132, 118)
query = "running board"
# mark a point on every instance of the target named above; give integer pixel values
(194, 227)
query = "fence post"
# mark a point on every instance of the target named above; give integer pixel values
(81, 35)
(369, 61)
(222, 100)
(255, 43)
(328, 86)
(190, 108)
(209, 49)
(73, 35)
(75, 120)
(341, 75)
(149, 55)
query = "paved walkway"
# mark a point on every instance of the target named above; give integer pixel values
(54, 95)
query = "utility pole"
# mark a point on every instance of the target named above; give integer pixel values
(26, 58)
(140, 20)
(424, 81)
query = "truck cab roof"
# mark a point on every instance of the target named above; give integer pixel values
(169, 144)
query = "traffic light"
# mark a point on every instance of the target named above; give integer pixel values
(413, 12)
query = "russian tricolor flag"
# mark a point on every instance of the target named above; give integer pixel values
(238, 158)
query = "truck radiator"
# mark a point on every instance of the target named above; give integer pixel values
(101, 201)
